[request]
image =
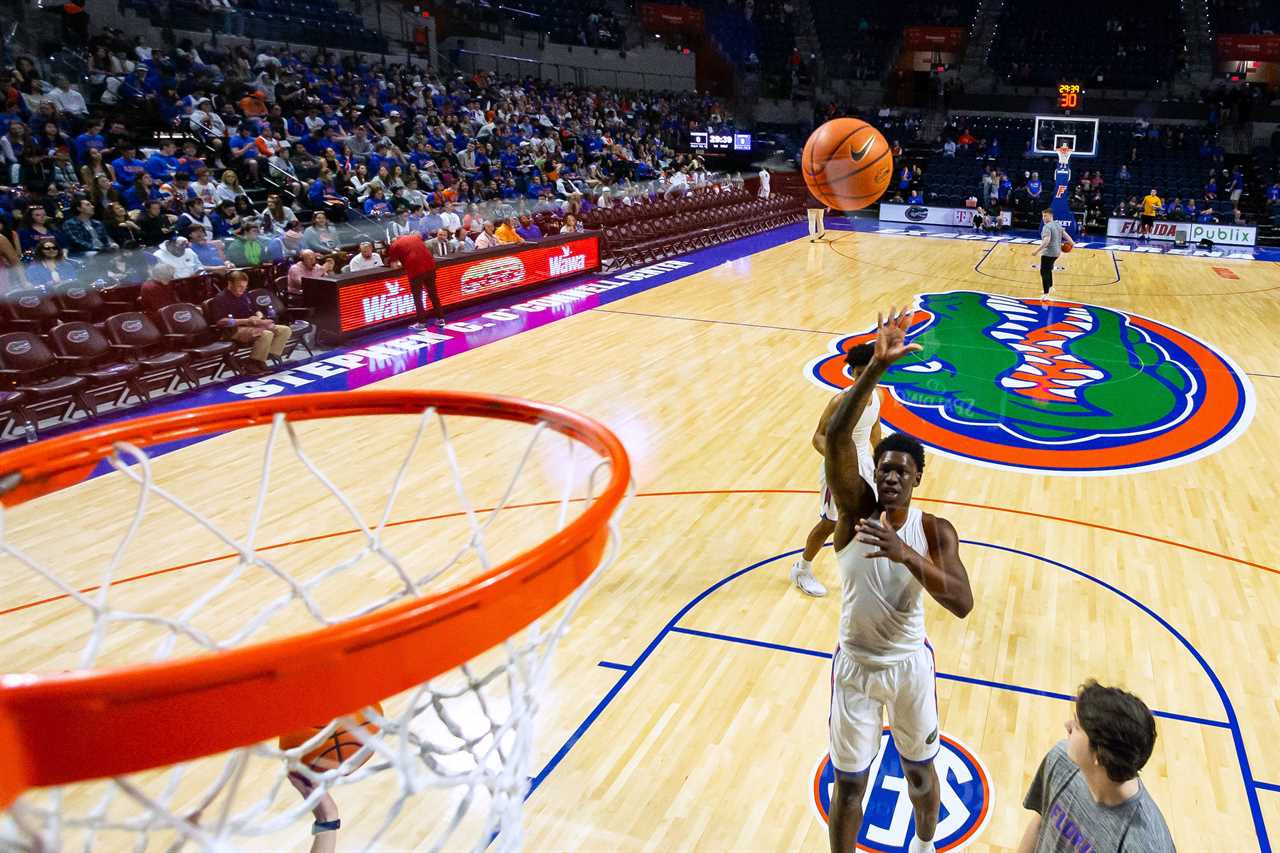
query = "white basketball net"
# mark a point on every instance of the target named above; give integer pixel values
(1064, 154)
(453, 754)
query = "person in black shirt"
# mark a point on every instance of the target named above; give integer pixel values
(154, 225)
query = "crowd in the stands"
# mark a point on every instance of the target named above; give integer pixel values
(269, 150)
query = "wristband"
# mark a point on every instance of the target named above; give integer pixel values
(325, 826)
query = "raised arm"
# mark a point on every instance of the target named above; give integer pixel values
(854, 498)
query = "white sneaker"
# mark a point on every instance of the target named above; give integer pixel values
(918, 846)
(806, 582)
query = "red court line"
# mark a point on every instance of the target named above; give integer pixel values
(677, 493)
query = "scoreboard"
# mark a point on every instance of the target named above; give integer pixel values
(715, 141)
(1070, 96)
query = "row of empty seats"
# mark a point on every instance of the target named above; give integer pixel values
(652, 239)
(74, 351)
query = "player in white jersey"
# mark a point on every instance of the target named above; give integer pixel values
(866, 434)
(883, 660)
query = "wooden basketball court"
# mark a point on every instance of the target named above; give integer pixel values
(688, 703)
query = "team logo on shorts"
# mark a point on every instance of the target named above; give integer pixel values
(1064, 388)
(888, 823)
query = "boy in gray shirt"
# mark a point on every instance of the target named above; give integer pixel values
(1086, 795)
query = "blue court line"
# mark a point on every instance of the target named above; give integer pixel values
(758, 643)
(608, 664)
(945, 676)
(1251, 785)
(555, 760)
(1242, 757)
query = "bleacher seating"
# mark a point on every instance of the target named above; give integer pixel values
(64, 368)
(659, 228)
(1136, 45)
(1173, 162)
(1244, 16)
(317, 22)
(861, 42)
(578, 22)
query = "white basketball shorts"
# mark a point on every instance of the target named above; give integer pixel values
(859, 698)
(828, 508)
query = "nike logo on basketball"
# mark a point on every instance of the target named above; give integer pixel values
(862, 152)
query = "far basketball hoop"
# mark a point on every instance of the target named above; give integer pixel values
(1064, 155)
(1051, 133)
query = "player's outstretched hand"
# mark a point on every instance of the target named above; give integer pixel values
(891, 336)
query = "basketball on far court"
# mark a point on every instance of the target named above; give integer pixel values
(341, 744)
(847, 164)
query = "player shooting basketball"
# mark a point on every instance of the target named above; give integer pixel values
(883, 660)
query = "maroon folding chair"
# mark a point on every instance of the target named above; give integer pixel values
(135, 338)
(86, 352)
(31, 367)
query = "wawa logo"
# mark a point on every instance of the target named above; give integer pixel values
(387, 306)
(566, 262)
(888, 824)
(1060, 388)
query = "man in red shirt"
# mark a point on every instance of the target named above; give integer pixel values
(410, 252)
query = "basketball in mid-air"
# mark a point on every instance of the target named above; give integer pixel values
(341, 744)
(847, 164)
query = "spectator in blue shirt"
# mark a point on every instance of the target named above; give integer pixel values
(431, 223)
(224, 219)
(162, 164)
(1236, 187)
(376, 204)
(1211, 189)
(1273, 194)
(49, 267)
(916, 197)
(127, 166)
(528, 229)
(37, 227)
(287, 244)
(1206, 216)
(136, 88)
(142, 191)
(208, 251)
(1034, 187)
(91, 138)
(244, 151)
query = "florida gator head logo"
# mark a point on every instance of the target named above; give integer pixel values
(1064, 388)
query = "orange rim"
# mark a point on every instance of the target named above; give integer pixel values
(70, 727)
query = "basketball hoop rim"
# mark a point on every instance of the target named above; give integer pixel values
(67, 727)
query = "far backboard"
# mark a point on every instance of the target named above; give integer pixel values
(1078, 134)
